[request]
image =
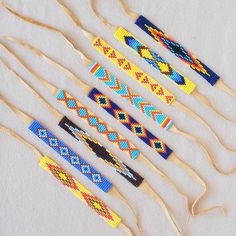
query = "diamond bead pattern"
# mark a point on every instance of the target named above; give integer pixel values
(155, 60)
(70, 156)
(101, 152)
(179, 51)
(98, 124)
(80, 191)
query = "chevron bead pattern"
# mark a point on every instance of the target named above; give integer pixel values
(101, 152)
(80, 191)
(155, 60)
(70, 156)
(133, 71)
(95, 122)
(133, 98)
(179, 51)
(130, 123)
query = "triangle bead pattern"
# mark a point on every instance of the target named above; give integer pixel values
(133, 71)
(129, 95)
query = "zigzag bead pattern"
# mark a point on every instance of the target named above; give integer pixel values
(155, 60)
(101, 152)
(70, 156)
(132, 97)
(187, 57)
(130, 123)
(80, 191)
(132, 70)
(95, 122)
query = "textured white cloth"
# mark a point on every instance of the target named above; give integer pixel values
(33, 203)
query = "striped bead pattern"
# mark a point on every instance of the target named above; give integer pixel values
(133, 71)
(80, 191)
(130, 123)
(100, 151)
(184, 55)
(70, 156)
(132, 97)
(98, 124)
(155, 60)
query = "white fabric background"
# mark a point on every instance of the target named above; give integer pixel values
(33, 203)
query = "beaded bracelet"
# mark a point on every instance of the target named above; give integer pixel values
(73, 185)
(178, 50)
(67, 99)
(80, 191)
(177, 161)
(159, 64)
(40, 131)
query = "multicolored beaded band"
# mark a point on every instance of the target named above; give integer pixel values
(184, 55)
(131, 96)
(101, 152)
(80, 191)
(98, 124)
(132, 70)
(70, 156)
(155, 60)
(130, 123)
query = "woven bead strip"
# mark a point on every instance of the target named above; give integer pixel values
(70, 156)
(101, 152)
(80, 191)
(155, 60)
(132, 97)
(132, 70)
(95, 122)
(187, 57)
(130, 123)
